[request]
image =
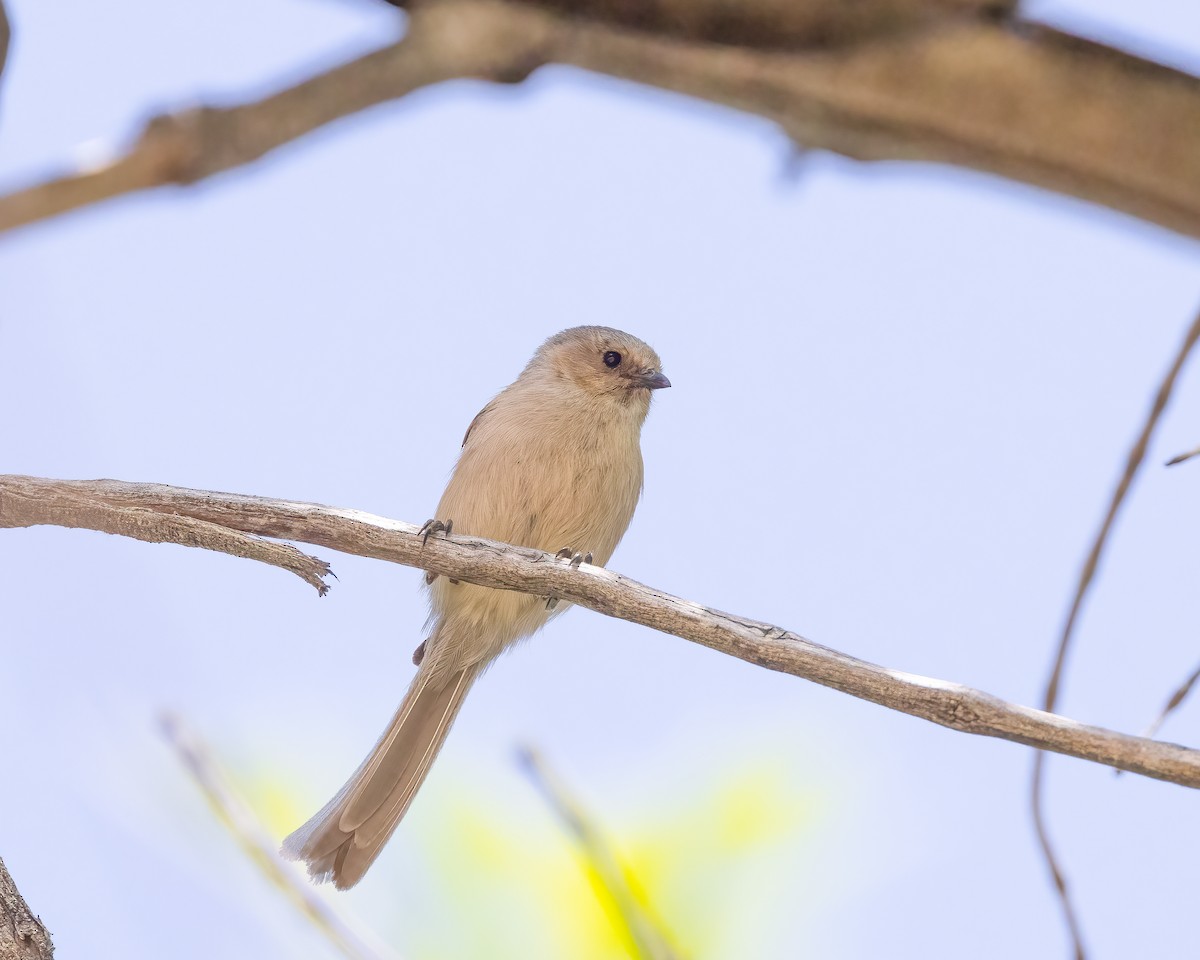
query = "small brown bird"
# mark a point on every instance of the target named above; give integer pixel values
(554, 462)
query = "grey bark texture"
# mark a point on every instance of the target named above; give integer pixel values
(98, 504)
(22, 935)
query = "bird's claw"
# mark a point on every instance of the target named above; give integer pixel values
(427, 530)
(434, 526)
(576, 557)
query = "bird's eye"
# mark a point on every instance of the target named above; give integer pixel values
(612, 359)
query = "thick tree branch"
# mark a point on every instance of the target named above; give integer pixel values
(1031, 104)
(770, 24)
(22, 935)
(183, 148)
(1020, 101)
(508, 567)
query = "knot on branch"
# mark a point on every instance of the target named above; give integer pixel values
(22, 934)
(957, 713)
(188, 146)
(506, 41)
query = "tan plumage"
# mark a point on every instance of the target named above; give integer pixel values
(553, 461)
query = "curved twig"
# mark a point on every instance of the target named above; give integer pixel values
(1133, 463)
(1173, 702)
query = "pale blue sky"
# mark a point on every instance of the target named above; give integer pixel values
(902, 395)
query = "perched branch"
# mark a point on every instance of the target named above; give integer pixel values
(1133, 463)
(507, 567)
(646, 938)
(241, 822)
(22, 935)
(1021, 101)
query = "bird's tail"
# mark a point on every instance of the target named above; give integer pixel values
(346, 836)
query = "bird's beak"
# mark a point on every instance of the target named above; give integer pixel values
(654, 381)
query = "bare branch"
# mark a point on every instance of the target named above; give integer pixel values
(644, 931)
(1035, 105)
(508, 567)
(67, 508)
(1020, 101)
(1133, 463)
(772, 24)
(22, 935)
(183, 148)
(257, 844)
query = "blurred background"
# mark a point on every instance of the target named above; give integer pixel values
(902, 398)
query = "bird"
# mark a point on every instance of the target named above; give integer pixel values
(552, 462)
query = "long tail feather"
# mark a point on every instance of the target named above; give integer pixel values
(346, 836)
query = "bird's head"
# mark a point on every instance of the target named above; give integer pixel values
(602, 362)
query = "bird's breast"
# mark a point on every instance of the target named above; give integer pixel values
(547, 480)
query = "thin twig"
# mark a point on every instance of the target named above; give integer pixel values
(1183, 456)
(508, 567)
(236, 816)
(644, 931)
(1132, 464)
(1173, 702)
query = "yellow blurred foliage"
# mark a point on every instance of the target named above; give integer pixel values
(507, 881)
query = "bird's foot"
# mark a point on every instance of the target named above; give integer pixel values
(429, 528)
(576, 558)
